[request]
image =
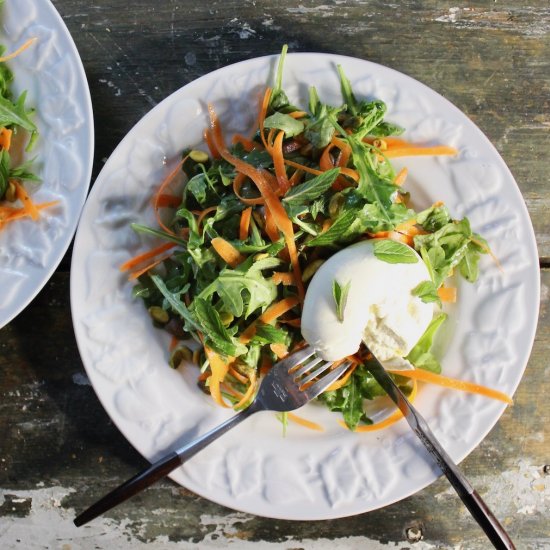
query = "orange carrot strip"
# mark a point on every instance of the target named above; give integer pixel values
(205, 213)
(262, 114)
(437, 150)
(245, 223)
(270, 314)
(392, 419)
(214, 153)
(343, 380)
(440, 380)
(227, 251)
(280, 350)
(19, 50)
(168, 201)
(173, 343)
(219, 369)
(292, 322)
(279, 163)
(297, 114)
(160, 191)
(237, 184)
(272, 202)
(447, 294)
(133, 262)
(325, 162)
(24, 197)
(5, 138)
(236, 374)
(270, 227)
(295, 178)
(9, 214)
(303, 167)
(305, 423)
(401, 177)
(284, 278)
(135, 274)
(249, 392)
(248, 144)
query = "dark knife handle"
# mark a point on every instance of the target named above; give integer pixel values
(473, 502)
(123, 492)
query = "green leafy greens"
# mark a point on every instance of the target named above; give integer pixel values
(336, 187)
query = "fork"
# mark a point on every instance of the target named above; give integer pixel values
(289, 385)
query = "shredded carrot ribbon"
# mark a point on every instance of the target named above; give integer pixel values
(447, 294)
(26, 200)
(272, 202)
(219, 369)
(392, 419)
(140, 258)
(160, 192)
(245, 223)
(427, 376)
(227, 252)
(306, 423)
(5, 138)
(9, 213)
(19, 50)
(270, 314)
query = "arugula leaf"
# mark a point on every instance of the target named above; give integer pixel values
(15, 113)
(6, 77)
(175, 302)
(238, 289)
(216, 335)
(290, 126)
(445, 249)
(278, 97)
(336, 231)
(394, 252)
(321, 126)
(385, 129)
(313, 188)
(268, 334)
(427, 292)
(340, 295)
(421, 356)
(4, 172)
(433, 218)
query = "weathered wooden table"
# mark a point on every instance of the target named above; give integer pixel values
(492, 59)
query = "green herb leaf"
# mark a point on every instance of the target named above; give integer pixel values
(434, 218)
(340, 294)
(427, 292)
(216, 335)
(394, 252)
(175, 302)
(313, 188)
(290, 126)
(4, 172)
(336, 231)
(15, 113)
(421, 355)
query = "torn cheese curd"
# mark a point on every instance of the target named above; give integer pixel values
(380, 309)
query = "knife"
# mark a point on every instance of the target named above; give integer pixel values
(469, 496)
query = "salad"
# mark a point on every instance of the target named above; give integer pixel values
(18, 134)
(257, 217)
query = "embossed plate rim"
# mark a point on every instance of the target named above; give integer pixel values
(344, 474)
(46, 18)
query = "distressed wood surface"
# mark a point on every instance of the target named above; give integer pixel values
(58, 448)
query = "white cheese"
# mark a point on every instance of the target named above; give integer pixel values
(380, 308)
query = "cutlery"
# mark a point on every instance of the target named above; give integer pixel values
(469, 496)
(289, 385)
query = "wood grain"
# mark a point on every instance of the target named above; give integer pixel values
(59, 450)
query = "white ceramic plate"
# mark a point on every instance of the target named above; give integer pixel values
(305, 475)
(52, 73)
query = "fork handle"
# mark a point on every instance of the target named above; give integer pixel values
(159, 469)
